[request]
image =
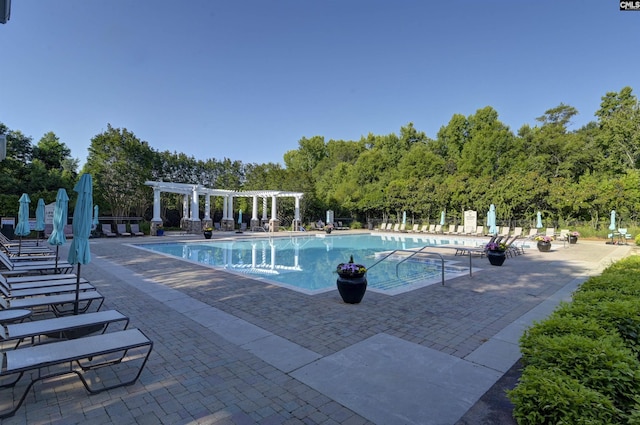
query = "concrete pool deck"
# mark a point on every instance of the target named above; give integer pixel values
(231, 350)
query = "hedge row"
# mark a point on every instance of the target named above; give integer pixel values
(582, 363)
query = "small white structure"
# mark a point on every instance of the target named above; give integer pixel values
(191, 193)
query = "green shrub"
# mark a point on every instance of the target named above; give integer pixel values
(603, 364)
(637, 239)
(548, 396)
(355, 225)
(621, 316)
(557, 325)
(582, 363)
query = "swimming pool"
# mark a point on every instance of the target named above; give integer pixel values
(307, 263)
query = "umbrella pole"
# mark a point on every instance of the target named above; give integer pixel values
(57, 248)
(77, 302)
(20, 246)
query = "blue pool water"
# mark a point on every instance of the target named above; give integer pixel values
(307, 263)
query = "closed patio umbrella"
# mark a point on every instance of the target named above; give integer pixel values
(539, 221)
(57, 237)
(442, 217)
(79, 252)
(612, 226)
(491, 220)
(404, 217)
(95, 221)
(23, 229)
(39, 220)
(240, 217)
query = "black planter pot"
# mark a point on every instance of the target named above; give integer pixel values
(207, 235)
(328, 230)
(496, 258)
(573, 239)
(544, 246)
(352, 289)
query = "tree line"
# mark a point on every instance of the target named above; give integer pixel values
(473, 161)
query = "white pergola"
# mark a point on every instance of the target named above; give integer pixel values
(190, 205)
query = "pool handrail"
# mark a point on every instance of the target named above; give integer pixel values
(413, 253)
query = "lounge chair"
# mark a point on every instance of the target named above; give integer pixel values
(438, 228)
(424, 228)
(551, 232)
(415, 229)
(55, 303)
(517, 231)
(460, 230)
(479, 231)
(478, 250)
(44, 290)
(383, 226)
(532, 233)
(396, 227)
(403, 228)
(513, 249)
(505, 231)
(122, 230)
(68, 231)
(31, 266)
(96, 351)
(106, 230)
(135, 230)
(60, 326)
(33, 284)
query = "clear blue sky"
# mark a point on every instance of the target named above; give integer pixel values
(247, 79)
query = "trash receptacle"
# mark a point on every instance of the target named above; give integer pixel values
(7, 230)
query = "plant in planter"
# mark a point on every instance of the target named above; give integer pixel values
(573, 237)
(207, 231)
(496, 253)
(352, 281)
(544, 243)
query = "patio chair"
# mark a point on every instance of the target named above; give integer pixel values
(10, 284)
(55, 303)
(30, 265)
(396, 227)
(517, 231)
(513, 249)
(551, 232)
(415, 229)
(61, 327)
(532, 233)
(87, 354)
(122, 230)
(135, 230)
(106, 230)
(44, 290)
(438, 228)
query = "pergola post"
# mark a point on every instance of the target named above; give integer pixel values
(273, 223)
(227, 220)
(296, 215)
(254, 213)
(265, 220)
(156, 221)
(185, 211)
